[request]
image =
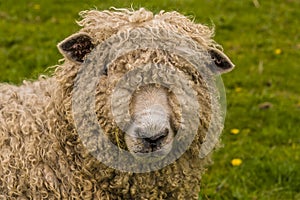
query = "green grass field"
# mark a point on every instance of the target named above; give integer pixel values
(261, 37)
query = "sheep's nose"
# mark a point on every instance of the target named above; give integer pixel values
(157, 140)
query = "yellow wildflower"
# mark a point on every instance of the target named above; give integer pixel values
(236, 162)
(278, 51)
(235, 131)
(238, 89)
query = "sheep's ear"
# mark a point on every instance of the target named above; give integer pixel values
(76, 47)
(222, 62)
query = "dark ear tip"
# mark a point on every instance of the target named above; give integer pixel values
(76, 46)
(223, 63)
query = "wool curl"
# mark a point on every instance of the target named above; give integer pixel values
(42, 155)
(102, 25)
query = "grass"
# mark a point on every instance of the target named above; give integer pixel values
(263, 40)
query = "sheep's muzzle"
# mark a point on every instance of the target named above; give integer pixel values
(150, 133)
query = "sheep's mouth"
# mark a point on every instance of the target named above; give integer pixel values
(152, 154)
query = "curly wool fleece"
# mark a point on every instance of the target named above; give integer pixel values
(41, 154)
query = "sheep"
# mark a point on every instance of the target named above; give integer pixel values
(145, 78)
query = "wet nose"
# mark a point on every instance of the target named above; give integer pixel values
(156, 140)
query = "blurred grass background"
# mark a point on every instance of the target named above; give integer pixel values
(263, 93)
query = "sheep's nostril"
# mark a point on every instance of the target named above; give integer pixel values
(158, 139)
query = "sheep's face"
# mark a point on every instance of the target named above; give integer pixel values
(156, 124)
(150, 129)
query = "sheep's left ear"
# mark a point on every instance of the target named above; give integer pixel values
(76, 47)
(222, 62)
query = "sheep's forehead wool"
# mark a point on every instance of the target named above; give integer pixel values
(101, 25)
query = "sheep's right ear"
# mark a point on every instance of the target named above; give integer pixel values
(222, 62)
(76, 47)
